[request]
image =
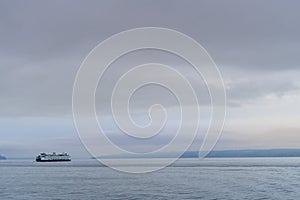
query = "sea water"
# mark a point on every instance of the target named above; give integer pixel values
(230, 178)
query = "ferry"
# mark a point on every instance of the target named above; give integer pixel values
(44, 157)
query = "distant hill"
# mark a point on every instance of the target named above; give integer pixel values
(221, 154)
(2, 157)
(247, 153)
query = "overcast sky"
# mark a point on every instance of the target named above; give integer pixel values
(255, 44)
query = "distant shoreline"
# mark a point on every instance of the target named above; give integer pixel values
(245, 153)
(2, 157)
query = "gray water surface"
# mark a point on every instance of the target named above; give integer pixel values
(230, 178)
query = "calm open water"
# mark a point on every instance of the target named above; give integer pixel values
(247, 178)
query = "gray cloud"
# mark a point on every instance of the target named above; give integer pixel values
(246, 86)
(43, 43)
(256, 45)
(254, 33)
